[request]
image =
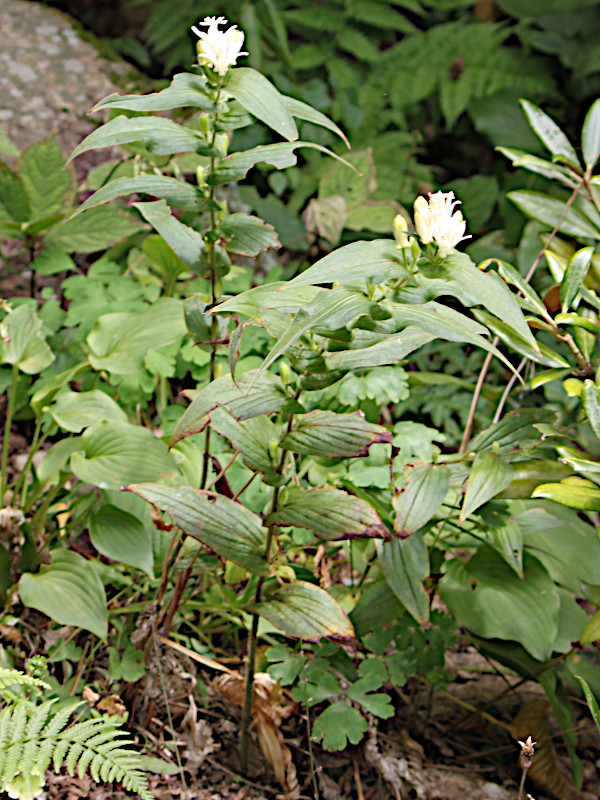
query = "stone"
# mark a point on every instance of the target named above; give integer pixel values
(51, 74)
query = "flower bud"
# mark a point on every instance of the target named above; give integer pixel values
(400, 232)
(273, 448)
(284, 372)
(205, 125)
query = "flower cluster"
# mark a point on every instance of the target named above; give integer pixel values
(436, 221)
(218, 49)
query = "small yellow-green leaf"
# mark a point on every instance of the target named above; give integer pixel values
(574, 276)
(590, 136)
(584, 498)
(592, 630)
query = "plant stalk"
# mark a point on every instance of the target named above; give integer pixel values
(10, 410)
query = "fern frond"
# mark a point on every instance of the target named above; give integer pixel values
(12, 677)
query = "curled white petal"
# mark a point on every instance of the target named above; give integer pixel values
(219, 49)
(436, 221)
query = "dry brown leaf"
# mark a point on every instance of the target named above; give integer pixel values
(532, 720)
(90, 696)
(197, 734)
(329, 788)
(269, 709)
(112, 704)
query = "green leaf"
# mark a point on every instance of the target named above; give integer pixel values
(578, 321)
(57, 459)
(179, 194)
(6, 146)
(93, 230)
(486, 596)
(420, 498)
(405, 564)
(119, 342)
(236, 166)
(122, 537)
(489, 476)
(507, 540)
(252, 438)
(513, 428)
(544, 354)
(584, 498)
(49, 183)
(247, 235)
(538, 165)
(305, 112)
(73, 411)
(251, 396)
(158, 135)
(186, 89)
(21, 342)
(373, 674)
(591, 701)
(574, 276)
(51, 262)
(14, 204)
(230, 529)
(331, 435)
(338, 725)
(553, 213)
(550, 134)
(592, 630)
(69, 591)
(591, 404)
(329, 512)
(379, 260)
(305, 611)
(46, 394)
(185, 242)
(390, 350)
(590, 136)
(514, 277)
(258, 96)
(116, 453)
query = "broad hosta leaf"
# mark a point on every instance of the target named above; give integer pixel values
(420, 498)
(487, 596)
(73, 411)
(119, 342)
(405, 564)
(177, 193)
(252, 438)
(46, 394)
(116, 453)
(330, 513)
(489, 476)
(549, 133)
(21, 342)
(230, 529)
(49, 184)
(551, 212)
(236, 166)
(305, 112)
(590, 136)
(252, 396)
(574, 276)
(185, 242)
(379, 260)
(258, 96)
(305, 611)
(324, 433)
(122, 537)
(248, 235)
(158, 135)
(186, 89)
(93, 230)
(69, 591)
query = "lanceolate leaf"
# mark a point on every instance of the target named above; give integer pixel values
(549, 133)
(330, 435)
(186, 89)
(305, 611)
(230, 529)
(388, 351)
(590, 136)
(303, 111)
(551, 212)
(379, 260)
(489, 598)
(185, 242)
(420, 498)
(330, 513)
(574, 276)
(252, 439)
(160, 136)
(251, 396)
(69, 591)
(582, 497)
(177, 193)
(248, 235)
(592, 405)
(258, 96)
(541, 355)
(489, 475)
(405, 564)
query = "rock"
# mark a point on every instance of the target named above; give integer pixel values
(51, 74)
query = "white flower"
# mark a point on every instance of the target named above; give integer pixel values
(219, 49)
(436, 221)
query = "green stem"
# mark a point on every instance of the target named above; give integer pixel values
(10, 410)
(35, 444)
